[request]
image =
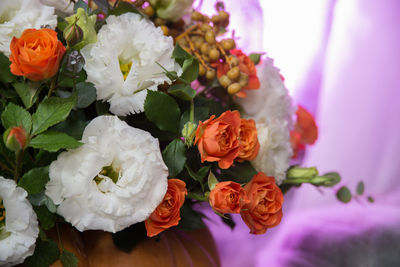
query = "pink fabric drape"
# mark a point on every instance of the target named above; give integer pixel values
(350, 81)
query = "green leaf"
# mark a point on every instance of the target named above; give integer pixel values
(240, 173)
(53, 141)
(182, 91)
(344, 194)
(128, 238)
(50, 205)
(162, 110)
(35, 180)
(37, 199)
(360, 188)
(68, 259)
(28, 92)
(5, 73)
(41, 199)
(45, 217)
(52, 111)
(334, 179)
(371, 199)
(199, 175)
(14, 115)
(174, 157)
(212, 181)
(86, 94)
(180, 55)
(190, 69)
(255, 58)
(74, 125)
(190, 219)
(46, 253)
(124, 7)
(61, 24)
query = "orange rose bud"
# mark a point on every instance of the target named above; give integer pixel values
(15, 138)
(306, 126)
(263, 206)
(167, 214)
(248, 140)
(36, 54)
(225, 197)
(218, 139)
(305, 131)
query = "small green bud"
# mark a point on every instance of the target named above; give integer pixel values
(212, 181)
(15, 139)
(189, 132)
(86, 24)
(297, 172)
(73, 34)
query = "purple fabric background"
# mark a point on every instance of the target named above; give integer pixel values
(340, 59)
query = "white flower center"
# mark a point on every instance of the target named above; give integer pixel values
(3, 233)
(125, 69)
(108, 171)
(9, 13)
(2, 213)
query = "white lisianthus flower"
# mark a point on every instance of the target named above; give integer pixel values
(19, 230)
(123, 63)
(172, 9)
(64, 7)
(271, 108)
(115, 179)
(18, 15)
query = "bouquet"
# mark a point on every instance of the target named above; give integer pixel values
(123, 113)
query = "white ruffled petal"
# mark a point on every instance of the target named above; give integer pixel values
(107, 205)
(128, 38)
(21, 224)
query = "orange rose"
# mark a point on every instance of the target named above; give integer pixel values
(305, 131)
(36, 54)
(218, 139)
(246, 65)
(225, 197)
(167, 214)
(263, 206)
(248, 140)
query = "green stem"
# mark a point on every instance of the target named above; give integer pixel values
(18, 160)
(191, 115)
(52, 86)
